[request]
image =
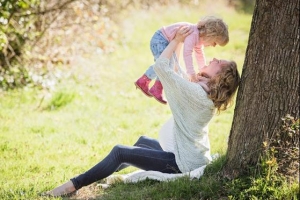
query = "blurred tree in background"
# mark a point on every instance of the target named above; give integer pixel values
(39, 36)
(243, 5)
(35, 37)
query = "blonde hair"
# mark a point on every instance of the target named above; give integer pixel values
(213, 27)
(224, 85)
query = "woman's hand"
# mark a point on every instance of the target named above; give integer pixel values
(204, 86)
(201, 80)
(182, 33)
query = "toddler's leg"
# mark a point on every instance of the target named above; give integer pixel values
(143, 84)
(157, 92)
(157, 44)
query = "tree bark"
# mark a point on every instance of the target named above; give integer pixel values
(269, 88)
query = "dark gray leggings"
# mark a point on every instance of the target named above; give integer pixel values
(146, 154)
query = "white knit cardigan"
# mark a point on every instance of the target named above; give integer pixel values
(192, 110)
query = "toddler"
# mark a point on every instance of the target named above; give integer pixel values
(209, 31)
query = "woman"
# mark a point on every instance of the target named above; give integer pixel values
(183, 144)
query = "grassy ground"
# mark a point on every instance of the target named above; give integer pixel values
(47, 138)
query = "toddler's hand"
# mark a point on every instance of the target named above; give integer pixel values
(193, 78)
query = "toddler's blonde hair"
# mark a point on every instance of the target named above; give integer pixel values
(214, 27)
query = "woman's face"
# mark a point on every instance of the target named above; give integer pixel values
(212, 69)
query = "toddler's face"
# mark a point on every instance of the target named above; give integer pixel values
(209, 42)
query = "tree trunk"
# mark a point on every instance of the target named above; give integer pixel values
(269, 88)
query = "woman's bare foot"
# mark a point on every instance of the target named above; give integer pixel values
(64, 189)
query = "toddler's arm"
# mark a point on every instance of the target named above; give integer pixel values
(200, 56)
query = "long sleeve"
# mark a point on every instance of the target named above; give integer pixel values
(188, 48)
(200, 56)
(179, 87)
(192, 44)
(192, 110)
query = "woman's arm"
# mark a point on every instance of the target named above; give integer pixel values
(177, 52)
(179, 37)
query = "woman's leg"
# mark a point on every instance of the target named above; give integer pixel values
(140, 157)
(136, 156)
(144, 142)
(147, 142)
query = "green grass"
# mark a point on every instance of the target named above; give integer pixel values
(48, 137)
